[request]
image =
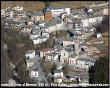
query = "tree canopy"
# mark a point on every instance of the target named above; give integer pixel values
(99, 73)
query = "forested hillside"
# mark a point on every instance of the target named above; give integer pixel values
(99, 73)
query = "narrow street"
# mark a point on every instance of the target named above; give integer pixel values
(40, 70)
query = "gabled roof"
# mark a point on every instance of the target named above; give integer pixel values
(87, 60)
(58, 71)
(36, 30)
(68, 49)
(40, 37)
(38, 13)
(30, 51)
(73, 74)
(58, 47)
(53, 23)
(73, 55)
(51, 54)
(91, 16)
(70, 39)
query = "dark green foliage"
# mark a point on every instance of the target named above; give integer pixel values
(99, 72)
(104, 26)
(53, 68)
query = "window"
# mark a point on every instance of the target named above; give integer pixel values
(64, 9)
(70, 61)
(64, 54)
(64, 61)
(40, 18)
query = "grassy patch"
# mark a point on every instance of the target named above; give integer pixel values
(71, 82)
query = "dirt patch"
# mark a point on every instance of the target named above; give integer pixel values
(76, 4)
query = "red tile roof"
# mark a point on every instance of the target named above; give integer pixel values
(36, 69)
(98, 55)
(46, 50)
(30, 26)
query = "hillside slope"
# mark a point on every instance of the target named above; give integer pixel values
(5, 68)
(39, 5)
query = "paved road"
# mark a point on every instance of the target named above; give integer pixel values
(41, 74)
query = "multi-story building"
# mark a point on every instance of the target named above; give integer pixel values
(58, 9)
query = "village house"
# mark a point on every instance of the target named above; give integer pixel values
(36, 30)
(77, 24)
(70, 40)
(44, 33)
(34, 35)
(37, 16)
(86, 33)
(39, 39)
(71, 46)
(62, 15)
(27, 29)
(71, 76)
(9, 14)
(74, 33)
(45, 51)
(58, 9)
(58, 48)
(58, 75)
(42, 23)
(91, 28)
(51, 25)
(84, 63)
(105, 11)
(70, 24)
(18, 8)
(21, 14)
(3, 12)
(78, 76)
(51, 56)
(98, 35)
(30, 54)
(65, 53)
(72, 59)
(54, 25)
(67, 18)
(91, 20)
(15, 18)
(30, 22)
(29, 63)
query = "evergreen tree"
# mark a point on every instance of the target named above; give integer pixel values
(99, 72)
(53, 68)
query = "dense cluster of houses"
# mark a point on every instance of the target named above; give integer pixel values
(39, 24)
